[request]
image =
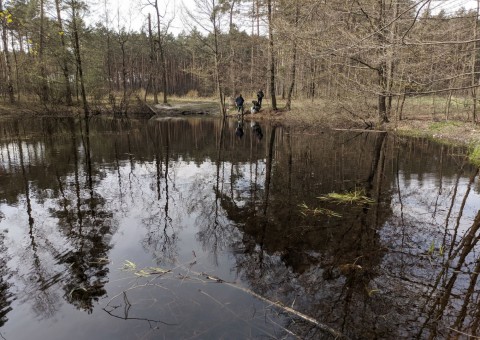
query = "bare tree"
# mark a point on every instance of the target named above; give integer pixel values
(41, 55)
(75, 6)
(3, 22)
(271, 54)
(207, 17)
(153, 62)
(475, 62)
(288, 105)
(161, 49)
(66, 72)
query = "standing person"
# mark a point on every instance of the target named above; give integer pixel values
(260, 96)
(239, 103)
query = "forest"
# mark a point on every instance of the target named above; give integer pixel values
(366, 58)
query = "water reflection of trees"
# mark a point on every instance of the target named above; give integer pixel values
(339, 263)
(364, 273)
(161, 234)
(86, 224)
(5, 295)
(56, 176)
(289, 262)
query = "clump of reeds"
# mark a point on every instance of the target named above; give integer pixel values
(356, 196)
(306, 211)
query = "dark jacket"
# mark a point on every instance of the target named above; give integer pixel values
(239, 101)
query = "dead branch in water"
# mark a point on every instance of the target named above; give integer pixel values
(158, 272)
(323, 327)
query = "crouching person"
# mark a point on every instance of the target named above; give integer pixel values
(256, 107)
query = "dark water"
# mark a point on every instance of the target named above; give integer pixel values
(118, 231)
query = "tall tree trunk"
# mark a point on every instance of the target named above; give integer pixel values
(288, 105)
(11, 93)
(109, 52)
(232, 51)
(272, 57)
(124, 105)
(161, 49)
(78, 57)
(66, 73)
(41, 49)
(474, 63)
(382, 99)
(257, 2)
(221, 96)
(153, 62)
(17, 73)
(391, 58)
(381, 68)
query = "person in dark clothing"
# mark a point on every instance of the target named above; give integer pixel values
(260, 96)
(239, 103)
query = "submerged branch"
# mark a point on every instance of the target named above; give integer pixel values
(130, 266)
(322, 326)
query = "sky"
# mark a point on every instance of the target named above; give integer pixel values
(453, 5)
(131, 14)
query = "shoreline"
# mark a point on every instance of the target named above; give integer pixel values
(451, 132)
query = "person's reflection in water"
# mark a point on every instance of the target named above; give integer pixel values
(257, 130)
(239, 130)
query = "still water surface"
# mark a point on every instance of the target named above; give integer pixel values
(188, 229)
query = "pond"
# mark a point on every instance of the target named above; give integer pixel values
(195, 229)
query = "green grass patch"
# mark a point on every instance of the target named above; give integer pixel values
(474, 154)
(439, 126)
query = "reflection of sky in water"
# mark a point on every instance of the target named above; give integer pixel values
(9, 154)
(134, 201)
(430, 201)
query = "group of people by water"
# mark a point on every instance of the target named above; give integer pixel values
(257, 104)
